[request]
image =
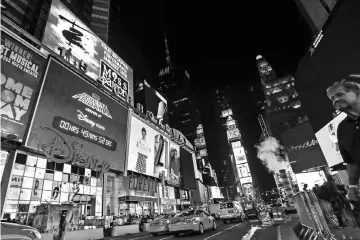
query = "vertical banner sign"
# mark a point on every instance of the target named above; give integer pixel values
(66, 35)
(21, 71)
(76, 123)
(174, 171)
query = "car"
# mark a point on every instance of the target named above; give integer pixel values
(160, 224)
(18, 231)
(230, 211)
(192, 221)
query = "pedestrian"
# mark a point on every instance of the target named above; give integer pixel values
(345, 96)
(305, 187)
(271, 215)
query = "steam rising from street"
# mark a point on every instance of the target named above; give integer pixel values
(268, 153)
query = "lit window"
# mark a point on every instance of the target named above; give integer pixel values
(100, 9)
(99, 16)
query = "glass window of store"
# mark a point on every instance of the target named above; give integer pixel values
(35, 181)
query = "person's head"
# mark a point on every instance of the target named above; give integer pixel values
(143, 133)
(345, 95)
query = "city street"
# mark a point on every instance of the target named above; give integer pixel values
(243, 231)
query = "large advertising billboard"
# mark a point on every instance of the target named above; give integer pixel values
(328, 141)
(335, 58)
(187, 169)
(21, 71)
(302, 148)
(239, 152)
(66, 35)
(148, 150)
(74, 122)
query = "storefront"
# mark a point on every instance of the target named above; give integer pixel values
(35, 181)
(168, 201)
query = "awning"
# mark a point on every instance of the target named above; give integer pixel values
(137, 199)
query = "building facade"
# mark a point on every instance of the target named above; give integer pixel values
(282, 108)
(315, 13)
(95, 157)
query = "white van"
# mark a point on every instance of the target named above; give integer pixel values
(230, 211)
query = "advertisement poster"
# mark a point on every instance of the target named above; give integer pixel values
(147, 150)
(336, 57)
(302, 148)
(174, 169)
(327, 138)
(66, 35)
(239, 152)
(187, 169)
(21, 71)
(76, 123)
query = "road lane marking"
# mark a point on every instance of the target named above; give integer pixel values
(222, 231)
(117, 237)
(251, 233)
(166, 238)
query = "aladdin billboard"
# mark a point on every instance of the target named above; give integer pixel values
(74, 122)
(67, 36)
(21, 72)
(302, 148)
(148, 150)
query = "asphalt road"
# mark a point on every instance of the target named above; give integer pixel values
(238, 231)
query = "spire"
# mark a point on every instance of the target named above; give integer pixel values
(167, 51)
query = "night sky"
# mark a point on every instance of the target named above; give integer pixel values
(218, 42)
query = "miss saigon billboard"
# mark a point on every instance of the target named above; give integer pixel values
(66, 35)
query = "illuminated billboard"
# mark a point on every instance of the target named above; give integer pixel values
(21, 71)
(226, 113)
(302, 148)
(148, 150)
(66, 35)
(243, 170)
(327, 138)
(239, 152)
(76, 123)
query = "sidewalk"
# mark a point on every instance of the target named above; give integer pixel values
(285, 231)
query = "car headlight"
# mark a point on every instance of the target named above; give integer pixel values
(168, 221)
(33, 232)
(195, 219)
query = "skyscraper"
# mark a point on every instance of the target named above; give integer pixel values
(283, 107)
(183, 113)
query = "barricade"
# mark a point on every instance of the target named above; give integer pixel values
(312, 221)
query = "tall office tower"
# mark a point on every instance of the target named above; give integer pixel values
(315, 12)
(31, 15)
(283, 107)
(183, 114)
(225, 111)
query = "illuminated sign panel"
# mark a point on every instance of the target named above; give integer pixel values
(66, 35)
(21, 71)
(76, 123)
(226, 112)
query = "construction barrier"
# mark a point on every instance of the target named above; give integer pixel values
(313, 224)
